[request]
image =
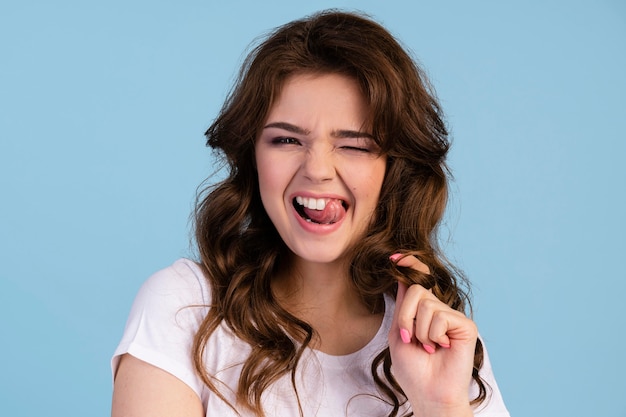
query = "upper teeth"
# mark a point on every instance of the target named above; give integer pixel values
(312, 203)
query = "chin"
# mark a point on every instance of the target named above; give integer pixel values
(320, 255)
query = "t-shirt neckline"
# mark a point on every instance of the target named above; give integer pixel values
(372, 348)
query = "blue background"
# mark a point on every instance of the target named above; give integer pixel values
(102, 110)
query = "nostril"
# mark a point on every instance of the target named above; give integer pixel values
(318, 168)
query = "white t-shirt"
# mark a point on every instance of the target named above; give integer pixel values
(168, 311)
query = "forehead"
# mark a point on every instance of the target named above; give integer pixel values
(310, 97)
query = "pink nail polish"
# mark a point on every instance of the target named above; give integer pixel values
(444, 345)
(429, 349)
(395, 257)
(405, 336)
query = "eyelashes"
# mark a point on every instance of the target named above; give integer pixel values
(357, 149)
(285, 140)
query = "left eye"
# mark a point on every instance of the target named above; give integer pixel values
(356, 148)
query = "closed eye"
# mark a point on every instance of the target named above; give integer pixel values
(356, 148)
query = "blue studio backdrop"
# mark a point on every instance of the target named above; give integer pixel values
(103, 106)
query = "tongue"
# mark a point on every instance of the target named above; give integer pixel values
(331, 213)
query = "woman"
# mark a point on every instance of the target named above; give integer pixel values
(320, 288)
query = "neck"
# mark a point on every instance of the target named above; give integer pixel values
(323, 296)
(309, 286)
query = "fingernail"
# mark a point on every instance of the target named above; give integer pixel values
(444, 345)
(429, 348)
(405, 336)
(395, 256)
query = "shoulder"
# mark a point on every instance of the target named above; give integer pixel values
(173, 301)
(494, 404)
(171, 291)
(166, 314)
(176, 287)
(183, 280)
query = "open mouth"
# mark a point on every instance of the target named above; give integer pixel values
(320, 210)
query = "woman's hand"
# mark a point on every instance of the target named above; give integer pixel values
(432, 349)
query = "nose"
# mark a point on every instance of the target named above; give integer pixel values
(318, 165)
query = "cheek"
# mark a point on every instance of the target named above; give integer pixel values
(262, 178)
(265, 185)
(374, 181)
(268, 176)
(272, 184)
(263, 167)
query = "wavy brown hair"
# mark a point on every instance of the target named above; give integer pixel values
(241, 251)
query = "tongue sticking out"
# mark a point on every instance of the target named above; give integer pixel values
(333, 212)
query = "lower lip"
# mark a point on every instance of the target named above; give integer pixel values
(317, 228)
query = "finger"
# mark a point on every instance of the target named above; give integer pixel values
(434, 320)
(459, 329)
(410, 261)
(427, 309)
(439, 327)
(438, 324)
(406, 309)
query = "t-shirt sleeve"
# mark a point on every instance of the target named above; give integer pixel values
(493, 406)
(163, 320)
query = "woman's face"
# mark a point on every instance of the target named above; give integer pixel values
(320, 171)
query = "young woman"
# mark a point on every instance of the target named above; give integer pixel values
(320, 289)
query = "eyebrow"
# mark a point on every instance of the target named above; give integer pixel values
(352, 134)
(288, 127)
(337, 133)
